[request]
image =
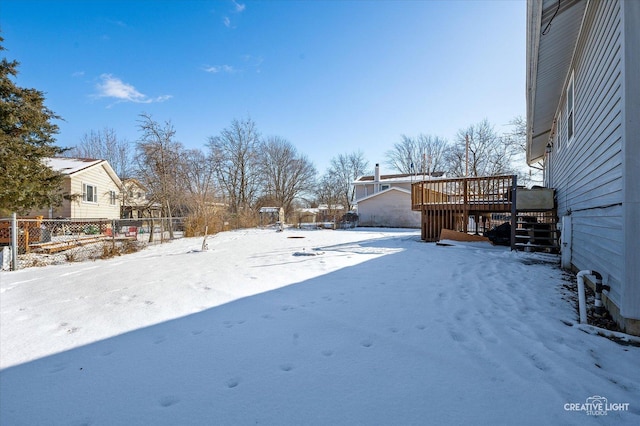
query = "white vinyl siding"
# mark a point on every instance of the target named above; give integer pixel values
(588, 173)
(104, 185)
(389, 209)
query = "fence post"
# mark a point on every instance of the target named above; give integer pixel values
(113, 235)
(14, 242)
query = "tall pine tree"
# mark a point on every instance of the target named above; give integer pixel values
(26, 139)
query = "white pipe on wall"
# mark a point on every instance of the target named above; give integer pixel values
(582, 302)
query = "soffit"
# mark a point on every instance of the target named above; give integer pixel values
(549, 58)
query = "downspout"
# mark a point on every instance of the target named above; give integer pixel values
(582, 304)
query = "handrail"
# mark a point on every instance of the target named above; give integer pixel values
(462, 191)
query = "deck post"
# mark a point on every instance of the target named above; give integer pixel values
(514, 212)
(465, 210)
(14, 241)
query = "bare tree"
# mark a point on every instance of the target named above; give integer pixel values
(197, 181)
(105, 145)
(347, 168)
(286, 173)
(158, 156)
(329, 190)
(527, 174)
(488, 153)
(234, 158)
(420, 154)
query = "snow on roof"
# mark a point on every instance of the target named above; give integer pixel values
(401, 177)
(69, 166)
(270, 209)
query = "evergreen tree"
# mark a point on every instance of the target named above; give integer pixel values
(26, 139)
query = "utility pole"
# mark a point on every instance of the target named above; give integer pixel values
(466, 168)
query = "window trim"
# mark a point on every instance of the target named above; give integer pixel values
(559, 133)
(85, 193)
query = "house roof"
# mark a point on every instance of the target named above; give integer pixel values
(70, 166)
(553, 28)
(270, 209)
(133, 181)
(384, 192)
(400, 177)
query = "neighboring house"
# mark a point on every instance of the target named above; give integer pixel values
(322, 213)
(91, 188)
(135, 201)
(583, 122)
(385, 200)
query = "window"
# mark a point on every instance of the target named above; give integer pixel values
(570, 117)
(112, 198)
(384, 187)
(89, 193)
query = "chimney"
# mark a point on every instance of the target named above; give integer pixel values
(376, 179)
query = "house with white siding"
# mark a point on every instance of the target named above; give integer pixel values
(135, 201)
(91, 187)
(385, 200)
(583, 124)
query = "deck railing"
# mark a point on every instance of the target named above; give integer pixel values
(448, 203)
(484, 192)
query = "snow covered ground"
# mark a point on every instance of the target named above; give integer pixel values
(364, 326)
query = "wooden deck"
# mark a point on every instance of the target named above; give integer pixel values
(449, 203)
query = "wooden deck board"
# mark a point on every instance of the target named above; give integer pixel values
(58, 246)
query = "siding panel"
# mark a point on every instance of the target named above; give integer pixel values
(588, 172)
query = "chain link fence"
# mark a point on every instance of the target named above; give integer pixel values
(42, 242)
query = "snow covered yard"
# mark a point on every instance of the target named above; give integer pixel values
(365, 326)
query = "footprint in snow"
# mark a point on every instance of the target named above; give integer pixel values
(233, 382)
(367, 343)
(286, 367)
(58, 368)
(458, 337)
(168, 401)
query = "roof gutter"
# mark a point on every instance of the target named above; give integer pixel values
(534, 13)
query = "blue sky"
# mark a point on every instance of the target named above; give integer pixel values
(332, 77)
